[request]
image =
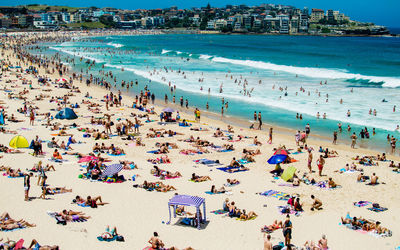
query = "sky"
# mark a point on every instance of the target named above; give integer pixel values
(384, 12)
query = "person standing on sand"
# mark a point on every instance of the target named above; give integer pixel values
(308, 130)
(222, 111)
(27, 185)
(353, 140)
(31, 117)
(270, 136)
(259, 121)
(255, 116)
(287, 230)
(334, 137)
(267, 242)
(310, 158)
(320, 163)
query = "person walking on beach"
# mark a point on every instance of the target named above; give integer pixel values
(181, 101)
(308, 130)
(334, 137)
(27, 185)
(270, 136)
(222, 111)
(393, 144)
(353, 140)
(187, 103)
(255, 116)
(259, 121)
(31, 117)
(320, 163)
(310, 158)
(287, 230)
(153, 97)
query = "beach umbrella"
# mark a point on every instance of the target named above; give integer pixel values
(19, 142)
(88, 158)
(281, 151)
(62, 80)
(66, 113)
(275, 159)
(169, 110)
(112, 170)
(288, 173)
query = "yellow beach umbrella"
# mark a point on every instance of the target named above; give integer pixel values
(19, 142)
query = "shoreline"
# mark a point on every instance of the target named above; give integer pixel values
(243, 122)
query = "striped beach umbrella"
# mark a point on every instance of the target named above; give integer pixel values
(112, 170)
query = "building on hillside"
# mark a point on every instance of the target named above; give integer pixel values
(303, 23)
(284, 23)
(316, 15)
(294, 25)
(330, 16)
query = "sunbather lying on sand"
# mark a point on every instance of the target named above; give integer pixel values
(72, 215)
(274, 226)
(7, 223)
(232, 182)
(11, 244)
(214, 190)
(364, 224)
(89, 201)
(197, 178)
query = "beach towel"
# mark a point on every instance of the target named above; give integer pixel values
(209, 192)
(219, 211)
(269, 192)
(153, 152)
(116, 155)
(362, 203)
(252, 218)
(243, 161)
(107, 240)
(377, 209)
(207, 162)
(226, 169)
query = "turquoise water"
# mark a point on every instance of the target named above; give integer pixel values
(362, 71)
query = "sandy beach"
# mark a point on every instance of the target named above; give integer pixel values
(136, 212)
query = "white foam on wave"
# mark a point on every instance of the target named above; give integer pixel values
(115, 45)
(77, 53)
(311, 72)
(205, 57)
(165, 51)
(230, 91)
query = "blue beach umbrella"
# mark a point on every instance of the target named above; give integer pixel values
(112, 170)
(275, 159)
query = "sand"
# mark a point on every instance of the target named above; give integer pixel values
(138, 213)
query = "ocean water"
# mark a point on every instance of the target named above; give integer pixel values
(276, 75)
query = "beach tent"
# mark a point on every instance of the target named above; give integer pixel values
(19, 142)
(288, 173)
(187, 200)
(66, 113)
(168, 110)
(112, 170)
